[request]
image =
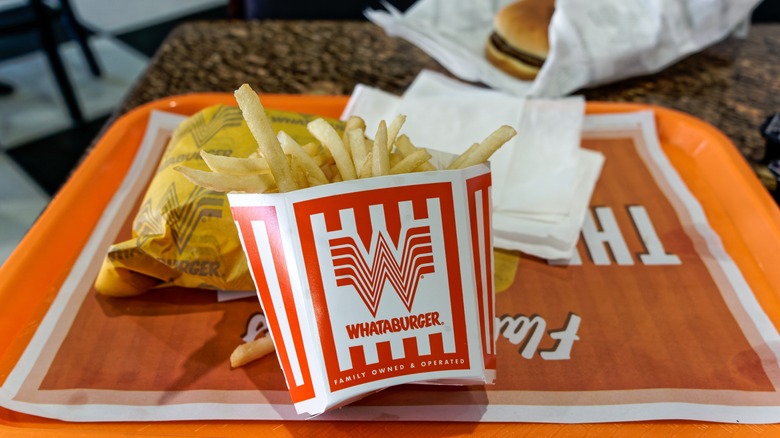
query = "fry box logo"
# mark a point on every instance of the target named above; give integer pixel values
(384, 273)
(368, 271)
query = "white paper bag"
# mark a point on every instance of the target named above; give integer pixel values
(591, 42)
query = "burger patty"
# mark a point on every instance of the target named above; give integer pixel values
(506, 49)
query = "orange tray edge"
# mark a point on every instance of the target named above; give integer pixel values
(27, 286)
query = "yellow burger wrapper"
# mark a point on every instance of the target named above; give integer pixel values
(183, 234)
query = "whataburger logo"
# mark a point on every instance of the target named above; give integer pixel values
(368, 271)
(380, 262)
(379, 247)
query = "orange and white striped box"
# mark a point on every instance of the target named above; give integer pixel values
(376, 282)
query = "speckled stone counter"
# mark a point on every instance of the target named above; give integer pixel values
(734, 85)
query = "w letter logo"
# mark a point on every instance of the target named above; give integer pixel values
(370, 270)
(351, 267)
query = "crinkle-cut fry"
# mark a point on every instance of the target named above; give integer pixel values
(488, 146)
(222, 182)
(406, 147)
(263, 132)
(303, 160)
(380, 157)
(235, 165)
(353, 122)
(411, 162)
(394, 129)
(327, 135)
(251, 351)
(357, 143)
(365, 169)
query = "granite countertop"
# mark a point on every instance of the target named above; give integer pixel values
(733, 85)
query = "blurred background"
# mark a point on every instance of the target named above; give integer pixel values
(57, 92)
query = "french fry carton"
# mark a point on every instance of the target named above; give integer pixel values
(376, 282)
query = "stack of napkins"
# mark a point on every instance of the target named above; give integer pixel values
(542, 179)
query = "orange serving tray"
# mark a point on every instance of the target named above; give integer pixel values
(736, 204)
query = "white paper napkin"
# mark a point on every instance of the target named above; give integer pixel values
(542, 179)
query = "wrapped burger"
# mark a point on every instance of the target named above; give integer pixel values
(183, 234)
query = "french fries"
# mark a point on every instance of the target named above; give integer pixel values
(312, 171)
(251, 351)
(406, 148)
(328, 136)
(225, 182)
(380, 164)
(357, 144)
(281, 164)
(482, 151)
(353, 122)
(235, 165)
(393, 129)
(267, 143)
(411, 162)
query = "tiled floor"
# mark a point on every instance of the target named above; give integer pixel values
(36, 109)
(38, 145)
(118, 16)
